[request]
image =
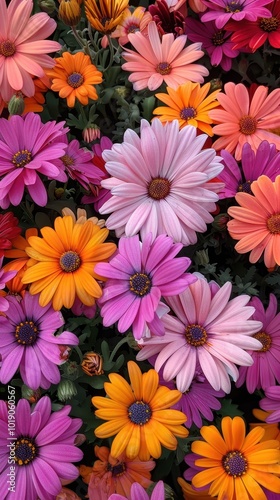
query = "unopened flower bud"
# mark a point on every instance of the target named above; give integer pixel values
(220, 222)
(91, 132)
(201, 257)
(92, 364)
(47, 6)
(69, 12)
(215, 84)
(64, 352)
(58, 193)
(66, 390)
(132, 342)
(16, 104)
(29, 394)
(71, 369)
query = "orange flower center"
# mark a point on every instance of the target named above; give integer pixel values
(117, 470)
(273, 224)
(75, 80)
(21, 158)
(70, 262)
(270, 24)
(140, 284)
(67, 160)
(25, 451)
(196, 335)
(245, 187)
(163, 68)
(7, 48)
(233, 6)
(235, 464)
(26, 333)
(265, 339)
(218, 38)
(248, 125)
(139, 413)
(187, 113)
(159, 188)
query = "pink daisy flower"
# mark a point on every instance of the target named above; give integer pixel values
(28, 343)
(44, 449)
(156, 60)
(4, 278)
(28, 148)
(23, 47)
(208, 330)
(265, 161)
(77, 163)
(221, 11)
(265, 370)
(271, 403)
(157, 187)
(137, 492)
(138, 276)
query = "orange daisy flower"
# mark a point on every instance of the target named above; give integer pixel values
(65, 259)
(191, 494)
(236, 465)
(189, 104)
(35, 103)
(256, 222)
(272, 431)
(74, 77)
(105, 15)
(139, 414)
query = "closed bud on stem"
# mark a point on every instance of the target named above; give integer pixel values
(69, 12)
(47, 6)
(92, 364)
(66, 390)
(29, 394)
(16, 104)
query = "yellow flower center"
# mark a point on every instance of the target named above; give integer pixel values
(159, 188)
(75, 80)
(26, 333)
(139, 413)
(187, 113)
(233, 6)
(218, 38)
(247, 125)
(270, 24)
(117, 470)
(67, 160)
(140, 284)
(235, 464)
(25, 451)
(273, 224)
(265, 339)
(164, 68)
(196, 335)
(7, 48)
(70, 261)
(21, 158)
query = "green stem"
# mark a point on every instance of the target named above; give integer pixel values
(79, 352)
(80, 41)
(116, 348)
(112, 53)
(81, 110)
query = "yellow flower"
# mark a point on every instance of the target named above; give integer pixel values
(65, 259)
(105, 15)
(189, 104)
(236, 465)
(139, 414)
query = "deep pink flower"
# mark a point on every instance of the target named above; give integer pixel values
(4, 278)
(138, 276)
(43, 448)
(9, 230)
(137, 492)
(221, 11)
(77, 163)
(265, 161)
(265, 370)
(27, 149)
(28, 343)
(271, 403)
(207, 329)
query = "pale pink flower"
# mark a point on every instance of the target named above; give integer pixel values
(23, 47)
(156, 60)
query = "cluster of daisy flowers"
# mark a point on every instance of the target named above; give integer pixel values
(148, 336)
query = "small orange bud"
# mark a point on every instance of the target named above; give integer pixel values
(69, 12)
(92, 364)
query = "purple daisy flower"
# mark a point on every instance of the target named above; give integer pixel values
(4, 278)
(28, 148)
(271, 403)
(137, 492)
(138, 276)
(266, 161)
(42, 448)
(221, 11)
(27, 342)
(265, 370)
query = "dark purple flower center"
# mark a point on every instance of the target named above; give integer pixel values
(21, 158)
(140, 284)
(218, 38)
(233, 6)
(75, 80)
(163, 68)
(187, 113)
(70, 261)
(139, 413)
(159, 188)
(132, 28)
(7, 48)
(26, 333)
(273, 223)
(245, 187)
(25, 451)
(265, 339)
(117, 470)
(234, 463)
(196, 335)
(269, 25)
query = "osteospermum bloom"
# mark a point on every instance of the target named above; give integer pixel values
(23, 47)
(137, 492)
(256, 221)
(44, 449)
(156, 60)
(35, 103)
(221, 11)
(138, 276)
(65, 259)
(5, 276)
(9, 230)
(28, 343)
(77, 163)
(27, 150)
(130, 23)
(105, 15)
(236, 464)
(157, 187)
(139, 414)
(167, 20)
(208, 330)
(189, 104)
(265, 370)
(242, 119)
(74, 77)
(271, 403)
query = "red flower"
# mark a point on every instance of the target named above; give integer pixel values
(8, 231)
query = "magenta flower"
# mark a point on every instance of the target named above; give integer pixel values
(216, 42)
(43, 448)
(266, 161)
(5, 276)
(157, 187)
(271, 403)
(27, 149)
(138, 276)
(221, 11)
(265, 370)
(28, 343)
(137, 492)
(207, 329)
(77, 162)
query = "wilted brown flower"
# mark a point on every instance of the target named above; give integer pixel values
(92, 364)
